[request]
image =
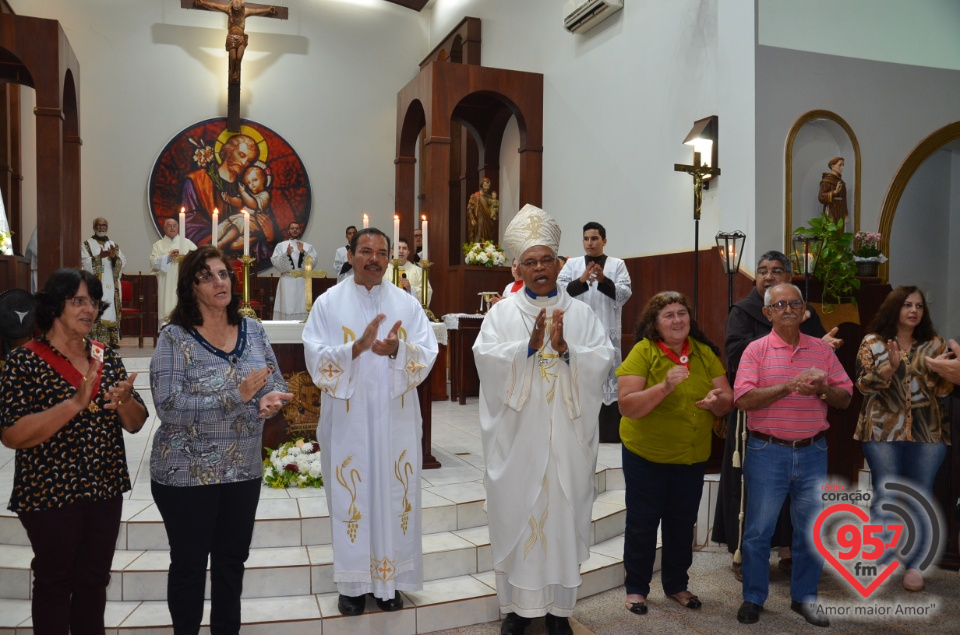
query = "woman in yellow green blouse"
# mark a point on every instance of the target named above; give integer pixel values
(904, 438)
(671, 386)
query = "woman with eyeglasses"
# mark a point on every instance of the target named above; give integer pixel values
(215, 380)
(64, 403)
(904, 436)
(671, 386)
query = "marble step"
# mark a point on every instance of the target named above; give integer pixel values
(140, 574)
(445, 603)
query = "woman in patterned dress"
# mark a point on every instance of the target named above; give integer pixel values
(214, 379)
(64, 402)
(904, 437)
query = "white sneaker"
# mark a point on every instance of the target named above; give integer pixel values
(913, 580)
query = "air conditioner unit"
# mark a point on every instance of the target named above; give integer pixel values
(583, 15)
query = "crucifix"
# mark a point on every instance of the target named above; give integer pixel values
(237, 12)
(698, 170)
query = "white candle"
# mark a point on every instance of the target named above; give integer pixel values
(366, 221)
(396, 232)
(424, 255)
(183, 229)
(215, 233)
(246, 233)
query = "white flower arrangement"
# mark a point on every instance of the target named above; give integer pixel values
(294, 463)
(487, 253)
(6, 244)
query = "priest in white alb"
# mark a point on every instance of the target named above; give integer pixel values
(289, 256)
(165, 262)
(368, 345)
(102, 257)
(412, 275)
(542, 358)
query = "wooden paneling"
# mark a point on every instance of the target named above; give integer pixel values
(15, 273)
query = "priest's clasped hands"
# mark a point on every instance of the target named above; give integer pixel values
(557, 342)
(368, 341)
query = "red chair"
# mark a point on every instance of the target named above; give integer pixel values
(131, 306)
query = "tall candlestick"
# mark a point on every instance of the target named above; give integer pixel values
(366, 221)
(246, 233)
(424, 255)
(396, 232)
(215, 230)
(183, 229)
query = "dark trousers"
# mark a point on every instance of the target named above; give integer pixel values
(609, 423)
(207, 520)
(72, 551)
(659, 493)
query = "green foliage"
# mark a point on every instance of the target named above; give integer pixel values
(835, 269)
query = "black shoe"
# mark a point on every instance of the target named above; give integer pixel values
(749, 613)
(558, 625)
(809, 613)
(351, 605)
(393, 604)
(513, 624)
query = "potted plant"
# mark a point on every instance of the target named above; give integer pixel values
(867, 254)
(835, 267)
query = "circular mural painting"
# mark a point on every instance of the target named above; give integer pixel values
(205, 168)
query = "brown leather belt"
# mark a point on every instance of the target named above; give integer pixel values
(795, 443)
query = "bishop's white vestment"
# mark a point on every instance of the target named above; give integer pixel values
(108, 271)
(291, 299)
(168, 269)
(607, 308)
(369, 433)
(538, 419)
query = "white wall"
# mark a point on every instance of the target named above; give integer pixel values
(326, 80)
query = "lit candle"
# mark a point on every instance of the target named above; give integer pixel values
(246, 233)
(396, 232)
(424, 255)
(215, 233)
(183, 229)
(732, 260)
(366, 221)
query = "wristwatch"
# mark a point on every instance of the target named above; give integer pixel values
(824, 395)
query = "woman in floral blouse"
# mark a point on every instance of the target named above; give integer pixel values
(214, 379)
(904, 438)
(64, 401)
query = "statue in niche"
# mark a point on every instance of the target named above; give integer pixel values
(236, 24)
(483, 208)
(833, 191)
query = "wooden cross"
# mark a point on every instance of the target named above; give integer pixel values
(308, 274)
(237, 13)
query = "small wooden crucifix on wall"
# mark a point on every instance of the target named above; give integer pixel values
(237, 12)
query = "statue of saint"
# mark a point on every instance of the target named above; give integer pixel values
(482, 211)
(833, 191)
(236, 23)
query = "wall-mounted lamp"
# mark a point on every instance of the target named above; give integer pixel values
(806, 253)
(704, 139)
(731, 251)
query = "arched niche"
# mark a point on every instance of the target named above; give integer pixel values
(920, 223)
(461, 112)
(36, 53)
(813, 140)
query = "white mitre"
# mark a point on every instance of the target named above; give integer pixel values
(530, 227)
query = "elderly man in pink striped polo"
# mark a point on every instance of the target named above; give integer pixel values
(786, 380)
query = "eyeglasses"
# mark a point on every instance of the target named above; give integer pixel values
(546, 261)
(783, 304)
(776, 271)
(206, 276)
(81, 301)
(100, 226)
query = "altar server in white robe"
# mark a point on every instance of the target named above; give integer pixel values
(164, 261)
(341, 268)
(102, 257)
(541, 357)
(413, 282)
(603, 282)
(368, 345)
(289, 256)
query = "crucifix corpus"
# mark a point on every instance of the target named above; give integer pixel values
(237, 12)
(698, 170)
